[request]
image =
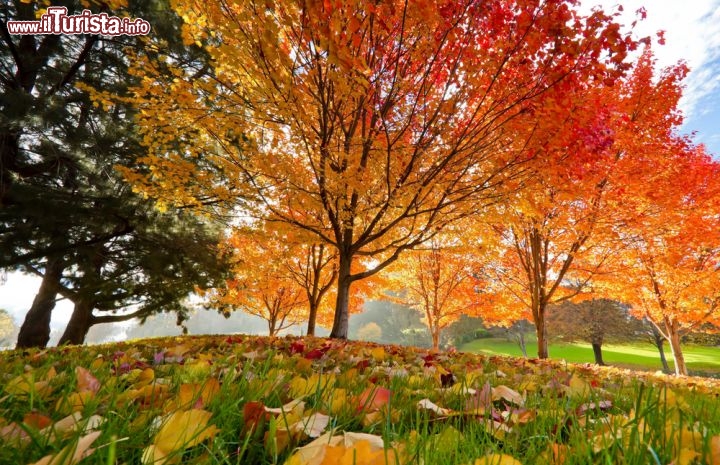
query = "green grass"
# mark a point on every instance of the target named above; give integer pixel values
(699, 359)
(496, 405)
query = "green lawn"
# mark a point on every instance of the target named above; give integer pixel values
(700, 359)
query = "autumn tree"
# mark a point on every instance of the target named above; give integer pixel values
(670, 255)
(595, 321)
(314, 268)
(261, 284)
(439, 281)
(369, 125)
(557, 234)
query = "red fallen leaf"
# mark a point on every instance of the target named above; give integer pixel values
(254, 415)
(297, 347)
(373, 399)
(314, 354)
(318, 352)
(429, 360)
(36, 420)
(362, 365)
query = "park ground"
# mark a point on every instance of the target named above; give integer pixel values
(701, 360)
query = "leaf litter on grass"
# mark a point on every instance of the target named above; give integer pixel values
(312, 401)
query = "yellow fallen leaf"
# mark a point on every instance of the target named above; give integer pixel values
(24, 385)
(683, 438)
(198, 370)
(578, 387)
(686, 457)
(74, 402)
(378, 354)
(715, 450)
(338, 400)
(340, 449)
(497, 459)
(181, 430)
(145, 377)
(193, 393)
(672, 399)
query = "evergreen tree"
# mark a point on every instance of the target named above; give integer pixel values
(65, 213)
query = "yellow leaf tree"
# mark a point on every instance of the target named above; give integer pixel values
(438, 281)
(370, 125)
(262, 285)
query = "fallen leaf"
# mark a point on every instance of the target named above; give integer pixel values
(198, 395)
(715, 450)
(510, 395)
(36, 420)
(72, 453)
(427, 404)
(181, 430)
(312, 426)
(13, 434)
(86, 382)
(378, 354)
(346, 449)
(373, 399)
(497, 459)
(287, 408)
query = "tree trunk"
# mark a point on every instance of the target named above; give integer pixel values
(79, 324)
(312, 316)
(660, 343)
(436, 338)
(521, 343)
(340, 323)
(35, 330)
(597, 351)
(272, 323)
(678, 357)
(541, 331)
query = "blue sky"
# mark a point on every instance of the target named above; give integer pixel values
(692, 34)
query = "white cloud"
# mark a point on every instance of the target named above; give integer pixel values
(692, 34)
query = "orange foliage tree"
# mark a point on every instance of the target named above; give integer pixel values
(557, 234)
(438, 281)
(370, 125)
(671, 249)
(262, 285)
(314, 268)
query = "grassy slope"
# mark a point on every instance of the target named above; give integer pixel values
(637, 355)
(129, 389)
